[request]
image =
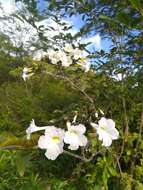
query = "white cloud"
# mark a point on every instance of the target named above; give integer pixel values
(22, 33)
(94, 40)
(8, 6)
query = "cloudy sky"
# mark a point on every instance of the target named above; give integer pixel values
(9, 7)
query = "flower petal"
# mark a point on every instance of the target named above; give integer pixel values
(32, 128)
(52, 152)
(80, 129)
(102, 121)
(51, 131)
(105, 137)
(73, 146)
(68, 125)
(82, 140)
(114, 133)
(107, 141)
(94, 125)
(111, 123)
(43, 142)
(70, 138)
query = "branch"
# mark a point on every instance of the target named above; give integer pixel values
(73, 85)
(17, 147)
(82, 158)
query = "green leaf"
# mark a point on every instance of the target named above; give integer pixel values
(135, 4)
(22, 162)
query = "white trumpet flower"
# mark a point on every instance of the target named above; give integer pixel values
(26, 73)
(68, 48)
(53, 56)
(52, 141)
(75, 136)
(24, 76)
(33, 128)
(56, 56)
(77, 53)
(106, 131)
(84, 63)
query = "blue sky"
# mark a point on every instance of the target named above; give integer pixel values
(77, 22)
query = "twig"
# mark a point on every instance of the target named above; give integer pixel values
(126, 119)
(81, 157)
(119, 166)
(141, 127)
(17, 147)
(73, 85)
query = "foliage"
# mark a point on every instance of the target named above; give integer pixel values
(50, 99)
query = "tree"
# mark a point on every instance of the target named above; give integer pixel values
(57, 89)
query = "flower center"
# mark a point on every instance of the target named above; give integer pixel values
(56, 139)
(73, 132)
(103, 127)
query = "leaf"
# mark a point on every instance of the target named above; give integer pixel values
(107, 18)
(135, 4)
(112, 171)
(22, 162)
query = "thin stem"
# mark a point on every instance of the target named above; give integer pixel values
(119, 166)
(74, 86)
(141, 127)
(75, 155)
(126, 119)
(138, 142)
(17, 147)
(81, 157)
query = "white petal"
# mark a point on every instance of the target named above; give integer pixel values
(74, 119)
(82, 140)
(68, 48)
(28, 136)
(53, 152)
(70, 138)
(51, 131)
(101, 111)
(103, 121)
(96, 114)
(105, 137)
(111, 123)
(87, 67)
(43, 142)
(107, 141)
(114, 133)
(33, 128)
(24, 76)
(61, 133)
(94, 125)
(25, 70)
(68, 125)
(101, 133)
(80, 128)
(73, 146)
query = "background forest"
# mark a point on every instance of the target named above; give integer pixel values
(54, 94)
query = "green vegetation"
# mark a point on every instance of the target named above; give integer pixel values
(54, 94)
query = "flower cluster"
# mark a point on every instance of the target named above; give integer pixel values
(69, 55)
(54, 138)
(65, 56)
